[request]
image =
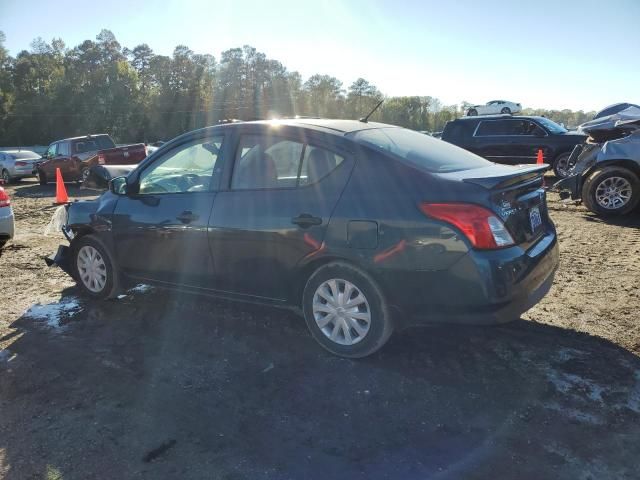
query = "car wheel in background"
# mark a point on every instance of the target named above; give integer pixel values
(611, 191)
(346, 311)
(6, 177)
(84, 174)
(561, 166)
(506, 110)
(42, 177)
(93, 268)
(472, 112)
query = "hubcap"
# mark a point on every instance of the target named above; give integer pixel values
(563, 166)
(85, 174)
(5, 176)
(613, 193)
(341, 311)
(92, 269)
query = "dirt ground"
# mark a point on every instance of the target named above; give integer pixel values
(164, 385)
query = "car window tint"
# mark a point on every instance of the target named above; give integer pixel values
(51, 151)
(493, 127)
(64, 148)
(193, 167)
(266, 161)
(317, 163)
(422, 151)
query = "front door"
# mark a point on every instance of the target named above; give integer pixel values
(282, 193)
(160, 230)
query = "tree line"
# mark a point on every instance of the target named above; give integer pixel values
(51, 92)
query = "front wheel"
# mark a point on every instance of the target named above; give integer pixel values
(472, 112)
(561, 166)
(506, 111)
(93, 268)
(6, 178)
(346, 311)
(611, 191)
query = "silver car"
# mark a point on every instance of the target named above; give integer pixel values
(17, 164)
(6, 218)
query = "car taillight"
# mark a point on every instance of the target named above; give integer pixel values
(5, 201)
(21, 164)
(146, 151)
(101, 158)
(480, 225)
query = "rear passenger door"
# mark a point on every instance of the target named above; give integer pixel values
(281, 195)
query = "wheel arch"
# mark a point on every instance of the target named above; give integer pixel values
(623, 163)
(305, 271)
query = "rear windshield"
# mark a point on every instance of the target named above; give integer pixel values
(24, 155)
(92, 144)
(422, 151)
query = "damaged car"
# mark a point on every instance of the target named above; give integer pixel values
(362, 228)
(605, 172)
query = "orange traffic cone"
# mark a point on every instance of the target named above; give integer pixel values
(540, 159)
(61, 191)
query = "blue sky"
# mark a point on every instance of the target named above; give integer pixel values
(543, 53)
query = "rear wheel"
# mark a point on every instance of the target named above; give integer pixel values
(42, 177)
(84, 174)
(6, 178)
(472, 112)
(611, 191)
(561, 166)
(346, 311)
(506, 111)
(93, 268)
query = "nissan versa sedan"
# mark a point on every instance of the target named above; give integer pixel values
(361, 227)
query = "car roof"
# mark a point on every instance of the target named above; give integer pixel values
(336, 126)
(83, 137)
(497, 117)
(19, 151)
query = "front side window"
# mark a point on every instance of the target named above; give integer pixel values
(51, 151)
(63, 149)
(193, 167)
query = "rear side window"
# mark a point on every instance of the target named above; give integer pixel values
(420, 150)
(267, 161)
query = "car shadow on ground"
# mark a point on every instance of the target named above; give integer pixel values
(167, 385)
(30, 189)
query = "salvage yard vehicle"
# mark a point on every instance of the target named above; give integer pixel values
(17, 164)
(75, 156)
(6, 218)
(361, 227)
(515, 139)
(606, 170)
(494, 107)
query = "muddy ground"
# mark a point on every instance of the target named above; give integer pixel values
(160, 385)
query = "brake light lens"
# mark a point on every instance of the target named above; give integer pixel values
(101, 159)
(21, 164)
(484, 230)
(5, 201)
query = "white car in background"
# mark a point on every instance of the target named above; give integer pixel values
(6, 218)
(494, 107)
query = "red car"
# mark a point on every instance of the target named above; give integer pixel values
(75, 156)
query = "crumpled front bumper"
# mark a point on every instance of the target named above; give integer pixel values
(60, 259)
(572, 184)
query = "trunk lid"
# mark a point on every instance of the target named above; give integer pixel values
(515, 193)
(128, 155)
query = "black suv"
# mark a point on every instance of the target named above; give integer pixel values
(514, 139)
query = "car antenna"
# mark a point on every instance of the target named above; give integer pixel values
(366, 119)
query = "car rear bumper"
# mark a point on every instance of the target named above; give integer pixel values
(6, 223)
(483, 287)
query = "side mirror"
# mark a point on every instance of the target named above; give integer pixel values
(118, 185)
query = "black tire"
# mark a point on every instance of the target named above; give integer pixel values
(559, 169)
(6, 177)
(381, 325)
(42, 177)
(596, 179)
(111, 287)
(506, 111)
(84, 173)
(472, 112)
